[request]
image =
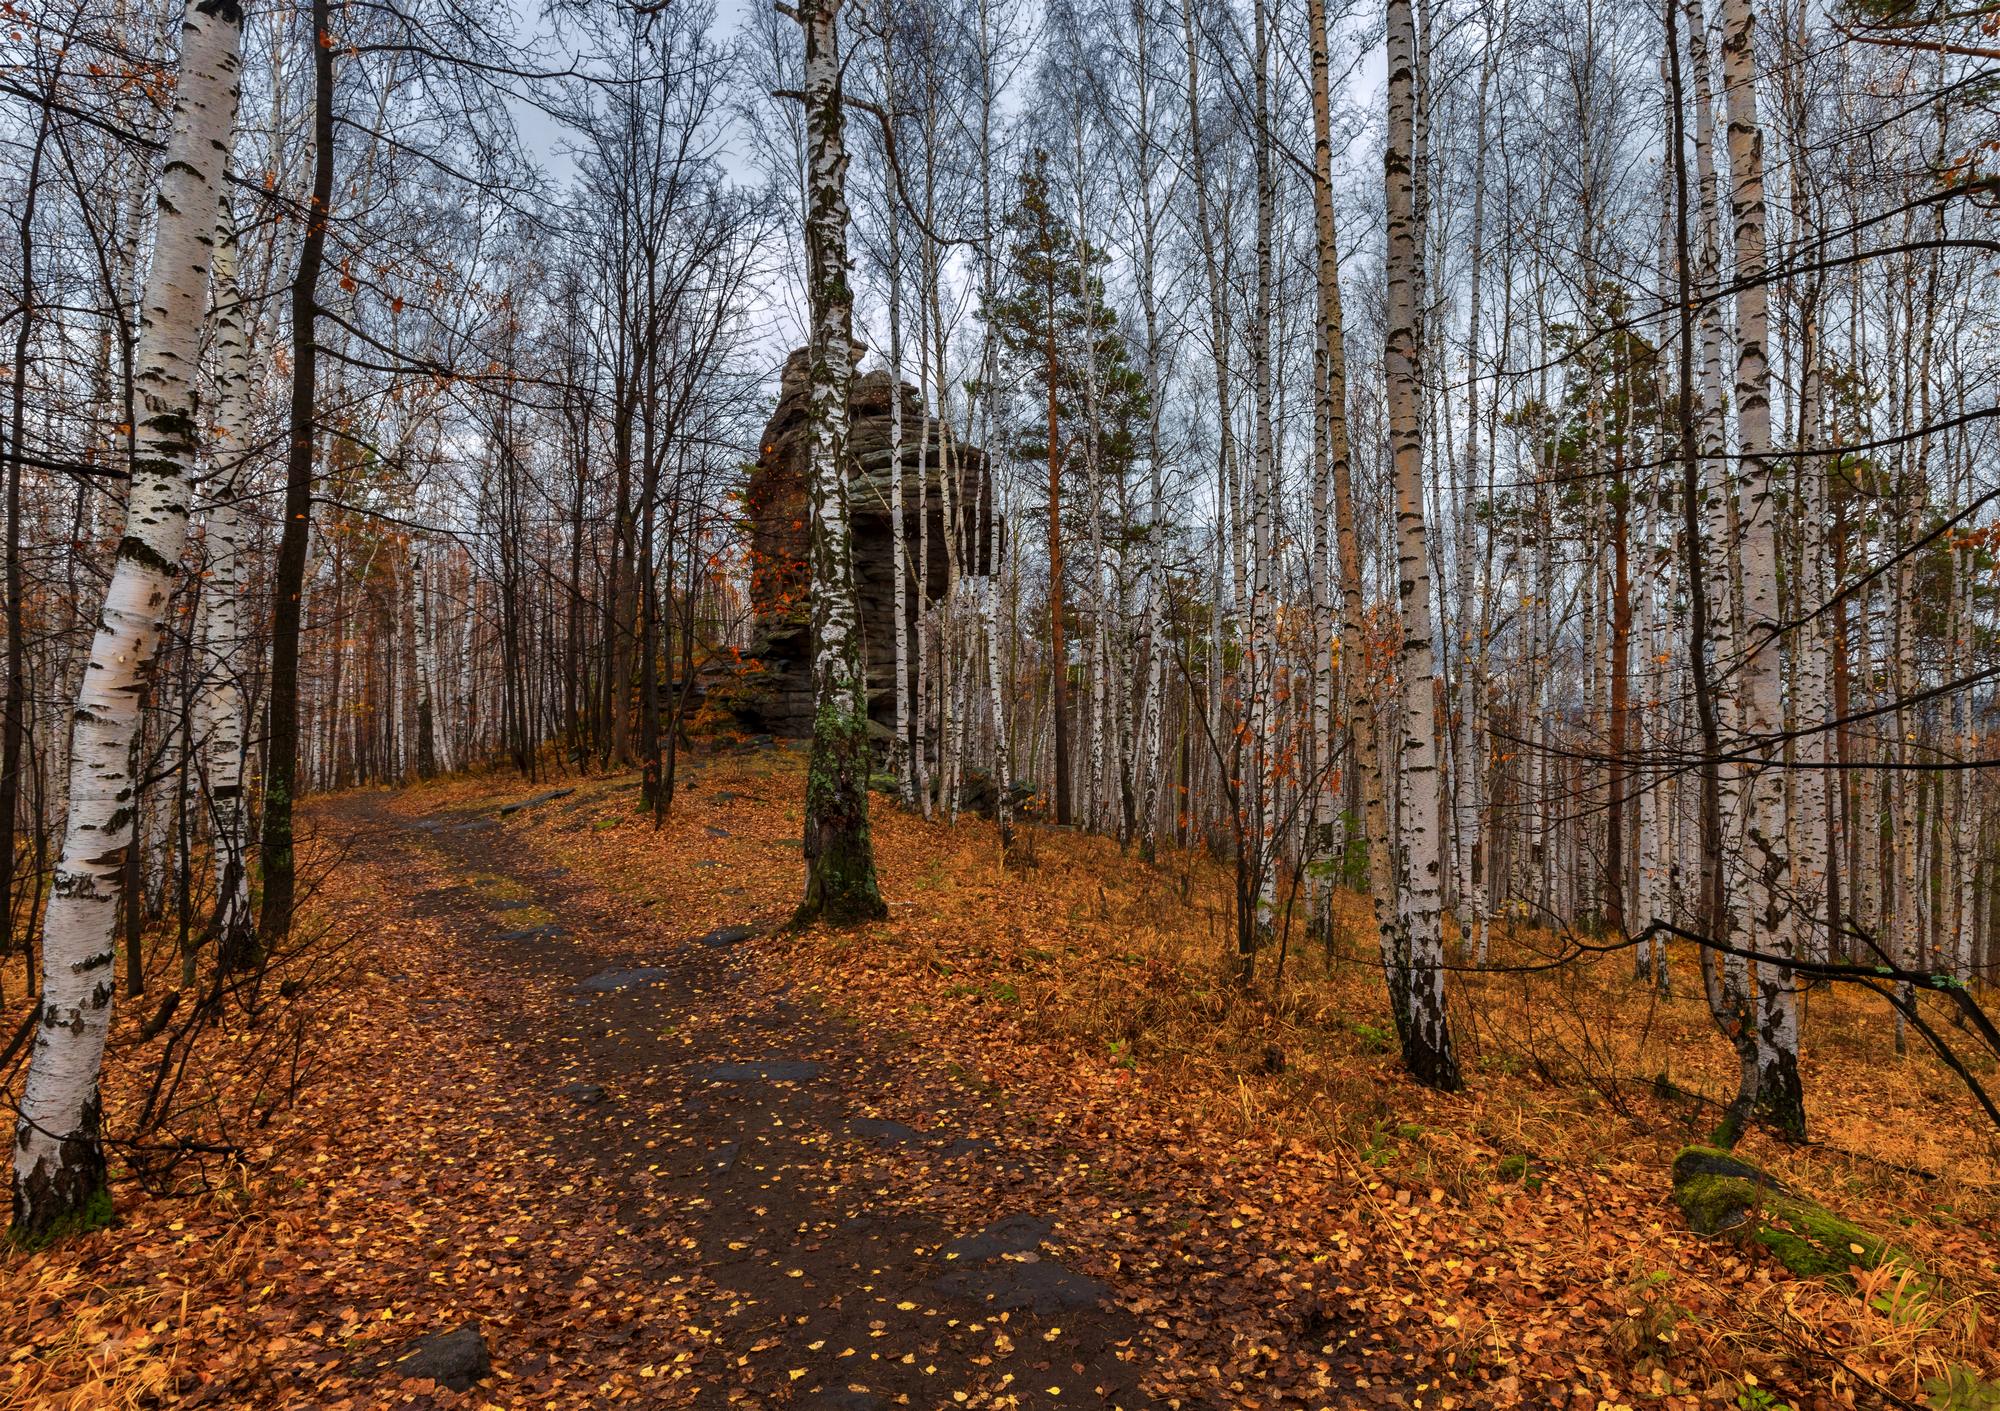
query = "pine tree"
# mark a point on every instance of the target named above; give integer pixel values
(1056, 330)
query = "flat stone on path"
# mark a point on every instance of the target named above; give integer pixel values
(630, 977)
(549, 796)
(1016, 1234)
(724, 936)
(1043, 1286)
(885, 1130)
(778, 1070)
(455, 1359)
(781, 1015)
(1009, 1275)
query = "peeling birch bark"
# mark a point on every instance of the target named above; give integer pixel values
(1779, 1098)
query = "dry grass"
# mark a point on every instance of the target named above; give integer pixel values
(1550, 1053)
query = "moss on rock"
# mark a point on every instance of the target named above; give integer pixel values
(1723, 1195)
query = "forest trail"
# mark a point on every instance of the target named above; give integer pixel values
(738, 1129)
(563, 1119)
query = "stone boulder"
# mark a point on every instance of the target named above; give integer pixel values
(777, 695)
(456, 1359)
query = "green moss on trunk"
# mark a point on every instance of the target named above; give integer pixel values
(840, 856)
(91, 1214)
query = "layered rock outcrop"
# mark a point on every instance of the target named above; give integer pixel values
(778, 698)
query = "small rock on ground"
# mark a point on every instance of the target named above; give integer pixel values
(885, 1130)
(456, 1359)
(1042, 1287)
(1016, 1234)
(626, 977)
(780, 1070)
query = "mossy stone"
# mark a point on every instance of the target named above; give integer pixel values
(1722, 1194)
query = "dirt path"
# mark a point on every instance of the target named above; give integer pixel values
(739, 1130)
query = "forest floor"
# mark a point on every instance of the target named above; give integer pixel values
(567, 1081)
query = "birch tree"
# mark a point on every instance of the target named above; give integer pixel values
(840, 858)
(1778, 1095)
(220, 705)
(59, 1169)
(1427, 1047)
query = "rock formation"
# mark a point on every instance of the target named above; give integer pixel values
(779, 697)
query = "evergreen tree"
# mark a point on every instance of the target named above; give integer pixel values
(1058, 336)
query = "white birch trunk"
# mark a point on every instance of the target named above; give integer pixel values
(1147, 739)
(996, 683)
(920, 744)
(1768, 863)
(1262, 668)
(1326, 804)
(1814, 784)
(899, 557)
(220, 721)
(59, 1171)
(1469, 771)
(840, 859)
(1427, 1047)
